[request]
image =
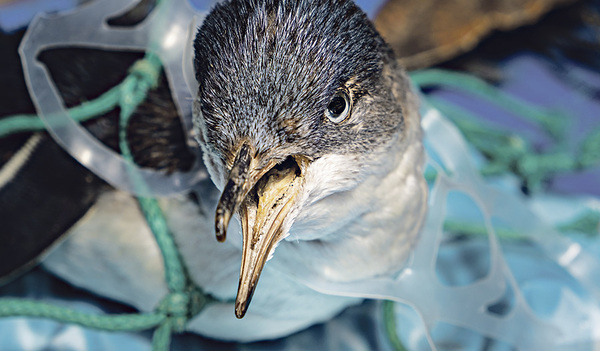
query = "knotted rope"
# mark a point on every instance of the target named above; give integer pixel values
(509, 152)
(184, 300)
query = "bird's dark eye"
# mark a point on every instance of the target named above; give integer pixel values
(339, 107)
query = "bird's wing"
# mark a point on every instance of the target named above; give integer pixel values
(43, 190)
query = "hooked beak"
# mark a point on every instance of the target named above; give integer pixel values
(263, 198)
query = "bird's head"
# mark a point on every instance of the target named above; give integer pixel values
(297, 100)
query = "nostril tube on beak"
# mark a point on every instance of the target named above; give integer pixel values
(233, 193)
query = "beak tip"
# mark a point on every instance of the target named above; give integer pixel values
(239, 314)
(242, 302)
(220, 229)
(221, 237)
(240, 309)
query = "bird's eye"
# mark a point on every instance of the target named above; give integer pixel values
(339, 107)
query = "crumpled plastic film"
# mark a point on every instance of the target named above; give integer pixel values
(164, 32)
(573, 325)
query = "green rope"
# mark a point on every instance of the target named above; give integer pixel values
(508, 152)
(475, 229)
(143, 77)
(551, 121)
(184, 300)
(589, 153)
(389, 319)
(84, 112)
(174, 271)
(587, 223)
(161, 339)
(13, 307)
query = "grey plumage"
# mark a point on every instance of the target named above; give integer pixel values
(268, 69)
(343, 199)
(268, 74)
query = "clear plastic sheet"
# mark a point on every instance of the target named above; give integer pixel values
(165, 32)
(574, 323)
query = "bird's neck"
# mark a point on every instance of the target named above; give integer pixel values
(369, 230)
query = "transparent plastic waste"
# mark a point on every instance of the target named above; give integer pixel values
(165, 32)
(573, 322)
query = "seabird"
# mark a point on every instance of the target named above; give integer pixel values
(311, 135)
